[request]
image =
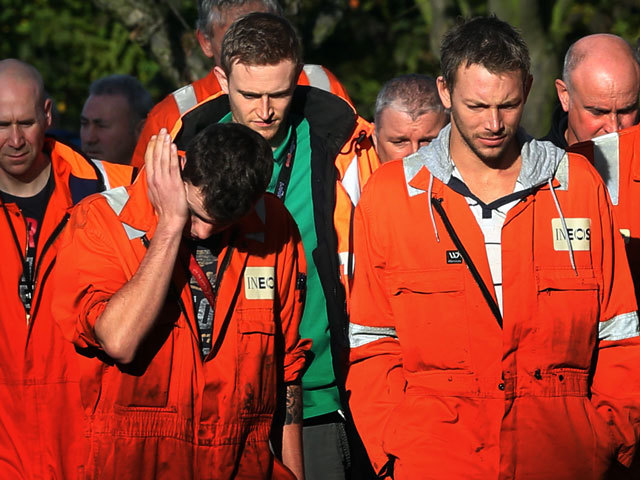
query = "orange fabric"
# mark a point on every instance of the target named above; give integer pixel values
(168, 414)
(626, 211)
(166, 114)
(41, 419)
(455, 396)
(363, 153)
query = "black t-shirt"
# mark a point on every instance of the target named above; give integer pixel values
(206, 254)
(32, 209)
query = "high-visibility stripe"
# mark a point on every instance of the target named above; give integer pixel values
(185, 98)
(317, 77)
(620, 327)
(351, 181)
(343, 258)
(117, 198)
(360, 335)
(606, 159)
(105, 177)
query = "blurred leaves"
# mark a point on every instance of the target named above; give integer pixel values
(364, 42)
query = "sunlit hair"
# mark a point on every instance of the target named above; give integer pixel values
(260, 39)
(485, 41)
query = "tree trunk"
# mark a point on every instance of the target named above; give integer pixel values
(155, 26)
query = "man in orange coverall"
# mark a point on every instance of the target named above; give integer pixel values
(187, 289)
(214, 18)
(617, 157)
(40, 180)
(493, 327)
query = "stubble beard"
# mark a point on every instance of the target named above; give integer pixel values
(496, 156)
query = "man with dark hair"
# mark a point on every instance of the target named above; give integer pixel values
(214, 18)
(409, 115)
(188, 293)
(322, 156)
(40, 180)
(598, 91)
(112, 118)
(493, 331)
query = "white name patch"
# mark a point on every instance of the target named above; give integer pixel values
(579, 230)
(259, 283)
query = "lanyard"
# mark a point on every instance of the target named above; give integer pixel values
(210, 292)
(493, 306)
(25, 285)
(285, 172)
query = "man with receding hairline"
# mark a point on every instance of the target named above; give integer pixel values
(408, 115)
(598, 91)
(40, 180)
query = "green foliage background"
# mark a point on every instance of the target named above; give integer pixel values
(364, 42)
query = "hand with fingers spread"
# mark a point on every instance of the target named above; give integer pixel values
(164, 183)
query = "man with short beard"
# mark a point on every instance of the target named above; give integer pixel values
(493, 327)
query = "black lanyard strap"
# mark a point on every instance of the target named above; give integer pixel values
(437, 204)
(285, 172)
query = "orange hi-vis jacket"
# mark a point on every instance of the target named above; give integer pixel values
(546, 388)
(169, 414)
(167, 112)
(616, 156)
(38, 367)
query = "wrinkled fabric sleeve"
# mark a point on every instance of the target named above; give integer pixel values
(616, 382)
(87, 274)
(375, 380)
(291, 272)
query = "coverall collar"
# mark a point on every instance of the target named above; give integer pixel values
(540, 162)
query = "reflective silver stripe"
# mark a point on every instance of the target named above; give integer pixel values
(606, 159)
(105, 177)
(317, 77)
(117, 198)
(343, 258)
(351, 181)
(185, 98)
(360, 335)
(620, 327)
(133, 232)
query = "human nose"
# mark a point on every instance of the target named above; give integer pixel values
(613, 123)
(88, 134)
(16, 136)
(265, 107)
(494, 120)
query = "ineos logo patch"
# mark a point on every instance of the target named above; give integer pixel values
(578, 231)
(259, 283)
(453, 256)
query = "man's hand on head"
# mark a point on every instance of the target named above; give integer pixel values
(164, 183)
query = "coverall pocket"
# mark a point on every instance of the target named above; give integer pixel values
(568, 306)
(256, 367)
(433, 329)
(145, 382)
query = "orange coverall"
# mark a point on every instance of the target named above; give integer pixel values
(39, 369)
(436, 383)
(616, 156)
(169, 414)
(167, 112)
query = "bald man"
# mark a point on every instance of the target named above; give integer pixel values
(41, 415)
(598, 91)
